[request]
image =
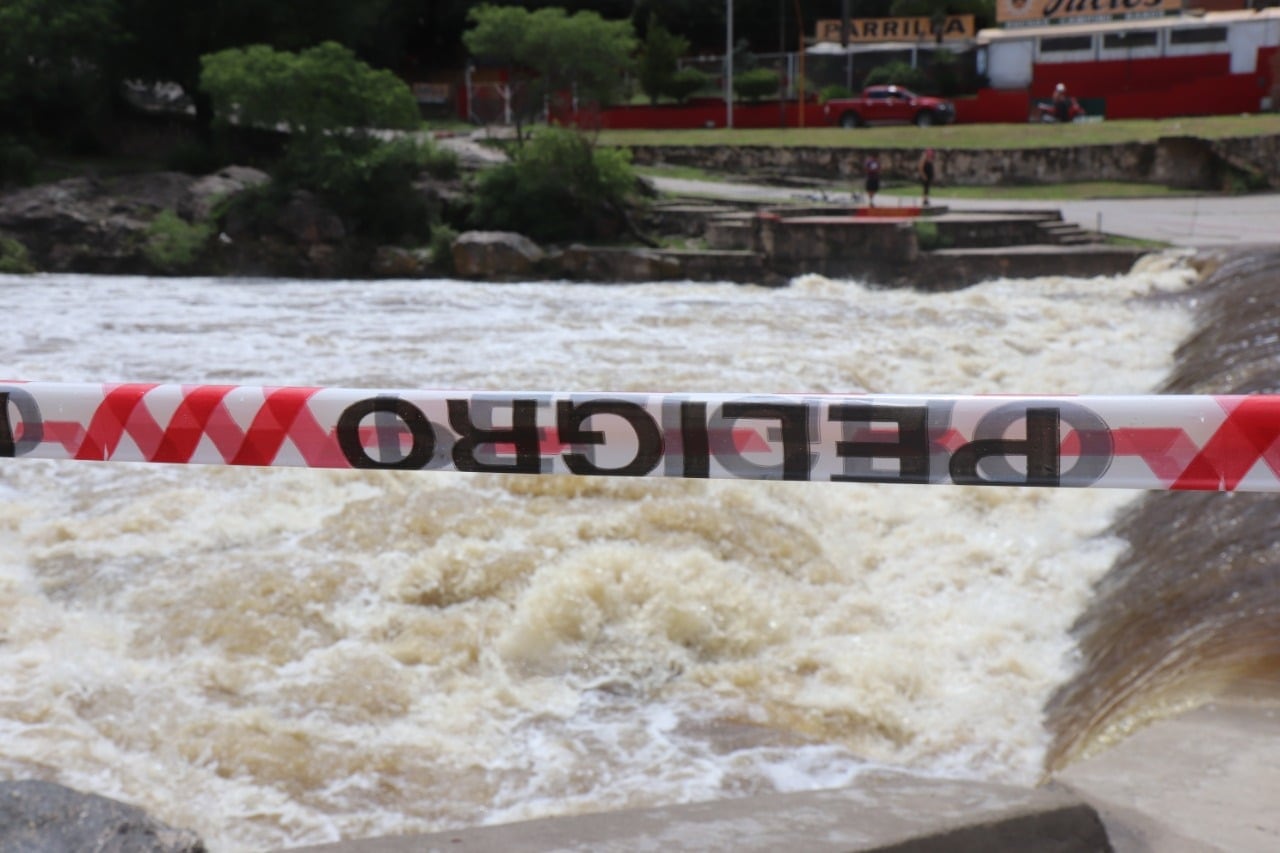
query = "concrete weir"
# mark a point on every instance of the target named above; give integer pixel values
(886, 811)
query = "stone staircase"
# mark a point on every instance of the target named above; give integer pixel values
(1059, 233)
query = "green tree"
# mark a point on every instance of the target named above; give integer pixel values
(551, 52)
(311, 93)
(334, 108)
(58, 63)
(169, 38)
(658, 58)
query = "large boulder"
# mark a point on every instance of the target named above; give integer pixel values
(205, 193)
(307, 220)
(495, 255)
(618, 264)
(399, 262)
(41, 817)
(90, 224)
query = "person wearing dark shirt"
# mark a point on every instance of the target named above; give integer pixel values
(927, 172)
(1061, 104)
(871, 169)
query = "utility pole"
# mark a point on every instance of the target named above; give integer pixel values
(728, 64)
(800, 81)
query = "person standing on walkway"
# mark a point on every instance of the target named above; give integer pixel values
(927, 172)
(871, 171)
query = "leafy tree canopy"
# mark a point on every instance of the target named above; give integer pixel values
(581, 51)
(320, 89)
(56, 56)
(658, 58)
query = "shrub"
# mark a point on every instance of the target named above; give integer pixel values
(756, 84)
(830, 93)
(172, 244)
(557, 188)
(898, 74)
(14, 257)
(686, 83)
(370, 183)
(442, 237)
(17, 162)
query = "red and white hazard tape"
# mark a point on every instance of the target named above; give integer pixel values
(1227, 443)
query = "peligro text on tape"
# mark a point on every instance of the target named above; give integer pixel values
(1160, 442)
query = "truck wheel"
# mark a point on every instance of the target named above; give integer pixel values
(924, 119)
(850, 120)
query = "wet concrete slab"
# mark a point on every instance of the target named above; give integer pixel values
(1206, 780)
(886, 811)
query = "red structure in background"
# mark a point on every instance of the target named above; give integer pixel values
(1213, 64)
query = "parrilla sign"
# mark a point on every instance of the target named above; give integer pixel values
(1228, 443)
(1044, 11)
(897, 29)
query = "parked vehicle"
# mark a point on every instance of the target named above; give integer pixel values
(888, 105)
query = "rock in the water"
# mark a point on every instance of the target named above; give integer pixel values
(495, 255)
(41, 817)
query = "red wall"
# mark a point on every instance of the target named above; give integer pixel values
(1101, 79)
(993, 105)
(1231, 93)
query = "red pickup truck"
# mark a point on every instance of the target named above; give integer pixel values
(888, 105)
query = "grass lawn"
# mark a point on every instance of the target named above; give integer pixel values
(962, 136)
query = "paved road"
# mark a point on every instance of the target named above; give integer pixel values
(1196, 221)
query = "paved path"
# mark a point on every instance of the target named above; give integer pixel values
(1197, 221)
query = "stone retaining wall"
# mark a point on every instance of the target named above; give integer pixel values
(1187, 162)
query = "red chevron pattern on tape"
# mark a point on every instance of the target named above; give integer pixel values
(1220, 443)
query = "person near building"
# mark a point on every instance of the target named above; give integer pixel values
(1061, 104)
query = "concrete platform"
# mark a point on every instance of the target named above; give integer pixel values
(1207, 780)
(887, 811)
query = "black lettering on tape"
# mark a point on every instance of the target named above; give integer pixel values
(32, 423)
(1042, 447)
(911, 448)
(523, 434)
(391, 416)
(793, 418)
(571, 416)
(697, 445)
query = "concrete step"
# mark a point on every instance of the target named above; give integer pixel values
(1068, 234)
(885, 810)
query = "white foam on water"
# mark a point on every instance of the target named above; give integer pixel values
(281, 657)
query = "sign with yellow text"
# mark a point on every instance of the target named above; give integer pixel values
(1043, 11)
(898, 29)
